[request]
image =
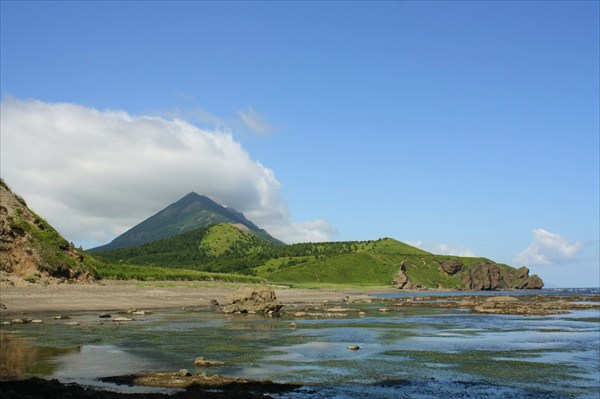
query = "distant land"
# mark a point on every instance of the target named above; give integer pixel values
(195, 233)
(197, 239)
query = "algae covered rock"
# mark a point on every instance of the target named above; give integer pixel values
(253, 300)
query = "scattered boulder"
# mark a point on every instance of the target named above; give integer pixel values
(139, 313)
(251, 300)
(71, 323)
(184, 373)
(451, 266)
(201, 362)
(119, 319)
(214, 302)
(105, 315)
(353, 347)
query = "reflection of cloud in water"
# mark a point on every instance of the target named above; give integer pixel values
(94, 361)
(18, 358)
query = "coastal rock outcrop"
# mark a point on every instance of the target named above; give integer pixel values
(489, 276)
(253, 300)
(527, 282)
(401, 281)
(451, 266)
(31, 250)
(485, 277)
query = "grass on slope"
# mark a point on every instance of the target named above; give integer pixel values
(220, 248)
(224, 239)
(51, 246)
(358, 268)
(154, 273)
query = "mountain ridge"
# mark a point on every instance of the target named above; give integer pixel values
(190, 212)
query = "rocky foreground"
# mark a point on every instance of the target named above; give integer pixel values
(264, 301)
(37, 388)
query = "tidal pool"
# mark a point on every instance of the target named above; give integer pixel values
(417, 353)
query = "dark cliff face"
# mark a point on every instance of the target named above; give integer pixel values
(489, 276)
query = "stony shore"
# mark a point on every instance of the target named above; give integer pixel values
(114, 297)
(117, 295)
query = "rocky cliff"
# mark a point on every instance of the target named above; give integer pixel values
(31, 251)
(480, 275)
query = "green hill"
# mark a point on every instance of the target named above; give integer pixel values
(189, 213)
(221, 248)
(229, 248)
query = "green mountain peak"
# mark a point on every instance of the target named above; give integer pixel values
(191, 212)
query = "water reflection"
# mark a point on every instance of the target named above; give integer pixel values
(18, 358)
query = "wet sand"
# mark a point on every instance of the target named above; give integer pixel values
(118, 295)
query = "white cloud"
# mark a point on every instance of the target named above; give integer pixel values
(255, 121)
(548, 248)
(443, 248)
(95, 173)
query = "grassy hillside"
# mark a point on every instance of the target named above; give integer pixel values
(226, 248)
(155, 273)
(369, 268)
(222, 248)
(32, 248)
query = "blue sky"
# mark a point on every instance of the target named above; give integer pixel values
(461, 127)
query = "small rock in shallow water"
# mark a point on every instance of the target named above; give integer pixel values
(184, 373)
(71, 323)
(202, 362)
(104, 316)
(353, 347)
(117, 319)
(292, 325)
(37, 321)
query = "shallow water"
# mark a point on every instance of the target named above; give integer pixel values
(415, 353)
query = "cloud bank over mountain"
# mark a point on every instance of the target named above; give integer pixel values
(95, 173)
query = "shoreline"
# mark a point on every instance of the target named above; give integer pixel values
(111, 295)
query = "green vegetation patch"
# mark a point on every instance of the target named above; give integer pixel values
(154, 273)
(496, 366)
(56, 254)
(358, 268)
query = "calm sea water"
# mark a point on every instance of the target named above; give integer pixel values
(411, 353)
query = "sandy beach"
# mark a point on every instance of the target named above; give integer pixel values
(117, 295)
